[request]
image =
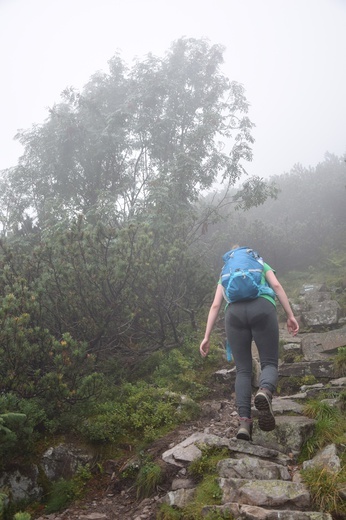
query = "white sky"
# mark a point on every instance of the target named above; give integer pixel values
(290, 55)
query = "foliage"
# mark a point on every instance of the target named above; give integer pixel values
(325, 488)
(63, 491)
(164, 394)
(180, 371)
(3, 497)
(33, 364)
(339, 362)
(214, 514)
(165, 391)
(208, 493)
(167, 512)
(329, 428)
(62, 494)
(148, 478)
(14, 433)
(124, 291)
(294, 383)
(141, 411)
(22, 516)
(134, 139)
(206, 464)
(343, 401)
(111, 182)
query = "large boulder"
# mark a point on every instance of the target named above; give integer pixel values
(319, 345)
(316, 308)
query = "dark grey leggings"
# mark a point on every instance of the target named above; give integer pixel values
(244, 321)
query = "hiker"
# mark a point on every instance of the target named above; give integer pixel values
(247, 320)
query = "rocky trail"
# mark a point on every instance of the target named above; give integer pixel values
(259, 479)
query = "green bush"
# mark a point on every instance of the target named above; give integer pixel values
(22, 516)
(141, 412)
(62, 494)
(63, 491)
(14, 434)
(183, 370)
(3, 498)
(57, 374)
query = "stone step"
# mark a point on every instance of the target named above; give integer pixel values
(265, 493)
(252, 468)
(246, 512)
(261, 480)
(290, 434)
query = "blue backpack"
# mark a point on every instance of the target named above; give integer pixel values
(241, 275)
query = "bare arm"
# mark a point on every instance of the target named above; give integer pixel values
(212, 316)
(292, 324)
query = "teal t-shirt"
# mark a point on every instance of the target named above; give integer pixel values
(266, 268)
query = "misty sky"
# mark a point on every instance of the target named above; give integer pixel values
(288, 54)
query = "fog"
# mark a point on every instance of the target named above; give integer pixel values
(288, 54)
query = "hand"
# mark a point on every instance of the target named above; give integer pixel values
(292, 326)
(204, 347)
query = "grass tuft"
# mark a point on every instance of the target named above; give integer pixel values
(330, 427)
(325, 488)
(148, 478)
(339, 362)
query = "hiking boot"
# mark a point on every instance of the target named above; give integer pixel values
(263, 403)
(245, 429)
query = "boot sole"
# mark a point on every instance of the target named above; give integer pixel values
(243, 435)
(266, 419)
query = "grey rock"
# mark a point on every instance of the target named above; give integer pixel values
(272, 493)
(338, 382)
(246, 512)
(326, 458)
(22, 484)
(182, 483)
(319, 369)
(281, 406)
(295, 347)
(305, 388)
(251, 448)
(225, 374)
(324, 313)
(318, 345)
(62, 461)
(312, 289)
(188, 450)
(252, 468)
(179, 498)
(290, 434)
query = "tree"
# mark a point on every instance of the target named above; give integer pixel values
(103, 204)
(134, 140)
